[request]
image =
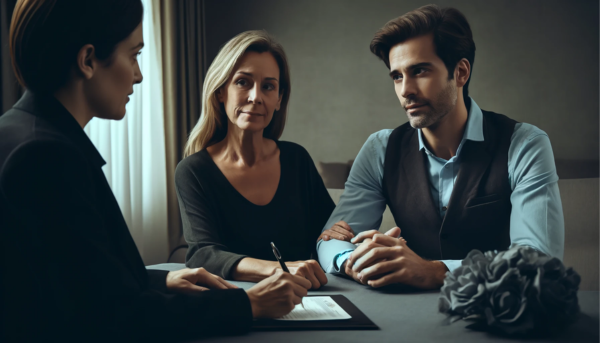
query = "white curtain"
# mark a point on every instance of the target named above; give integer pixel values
(134, 150)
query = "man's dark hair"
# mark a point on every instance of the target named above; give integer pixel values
(46, 35)
(452, 36)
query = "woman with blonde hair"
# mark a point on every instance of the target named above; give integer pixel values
(239, 187)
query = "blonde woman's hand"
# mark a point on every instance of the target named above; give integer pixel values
(310, 270)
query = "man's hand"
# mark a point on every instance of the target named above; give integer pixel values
(348, 271)
(389, 260)
(340, 231)
(365, 239)
(311, 270)
(196, 280)
(393, 232)
(277, 295)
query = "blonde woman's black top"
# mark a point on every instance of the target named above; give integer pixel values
(222, 227)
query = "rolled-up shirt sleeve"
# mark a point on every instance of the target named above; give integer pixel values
(537, 217)
(361, 205)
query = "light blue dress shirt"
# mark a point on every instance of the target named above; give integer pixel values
(536, 218)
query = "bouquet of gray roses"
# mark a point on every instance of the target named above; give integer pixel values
(516, 292)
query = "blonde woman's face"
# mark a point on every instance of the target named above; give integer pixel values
(251, 95)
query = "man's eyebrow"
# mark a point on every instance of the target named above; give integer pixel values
(250, 74)
(140, 45)
(411, 67)
(419, 65)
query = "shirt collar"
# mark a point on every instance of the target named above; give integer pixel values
(473, 130)
(54, 112)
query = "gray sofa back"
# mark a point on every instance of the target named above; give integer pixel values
(335, 174)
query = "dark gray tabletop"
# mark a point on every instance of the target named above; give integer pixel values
(407, 317)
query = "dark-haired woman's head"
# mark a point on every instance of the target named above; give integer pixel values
(87, 46)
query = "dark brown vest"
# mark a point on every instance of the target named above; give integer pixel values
(478, 215)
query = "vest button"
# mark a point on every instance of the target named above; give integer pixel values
(444, 208)
(444, 236)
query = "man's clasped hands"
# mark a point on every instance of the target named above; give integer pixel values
(384, 259)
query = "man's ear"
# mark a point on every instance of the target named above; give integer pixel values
(86, 61)
(462, 72)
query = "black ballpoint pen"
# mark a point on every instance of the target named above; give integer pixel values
(281, 263)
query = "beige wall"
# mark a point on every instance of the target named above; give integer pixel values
(536, 61)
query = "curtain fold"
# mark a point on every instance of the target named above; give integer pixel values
(134, 150)
(183, 57)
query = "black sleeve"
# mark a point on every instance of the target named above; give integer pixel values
(74, 284)
(321, 204)
(157, 280)
(200, 223)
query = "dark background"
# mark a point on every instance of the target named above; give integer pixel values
(536, 61)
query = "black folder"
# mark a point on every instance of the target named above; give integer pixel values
(358, 321)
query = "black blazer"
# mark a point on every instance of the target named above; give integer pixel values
(69, 266)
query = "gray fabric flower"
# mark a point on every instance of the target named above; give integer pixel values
(463, 290)
(508, 299)
(523, 258)
(556, 292)
(517, 291)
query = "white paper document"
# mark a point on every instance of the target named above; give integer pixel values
(317, 308)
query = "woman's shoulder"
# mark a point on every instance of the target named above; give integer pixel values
(295, 156)
(196, 166)
(291, 148)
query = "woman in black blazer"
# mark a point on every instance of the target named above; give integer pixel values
(69, 266)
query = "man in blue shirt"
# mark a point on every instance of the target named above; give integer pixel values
(455, 177)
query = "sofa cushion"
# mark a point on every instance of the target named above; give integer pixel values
(580, 201)
(334, 174)
(387, 221)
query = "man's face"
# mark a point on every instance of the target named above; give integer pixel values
(421, 82)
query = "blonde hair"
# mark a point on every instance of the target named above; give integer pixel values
(212, 126)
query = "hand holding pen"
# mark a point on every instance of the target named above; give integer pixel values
(281, 263)
(278, 257)
(309, 269)
(277, 295)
